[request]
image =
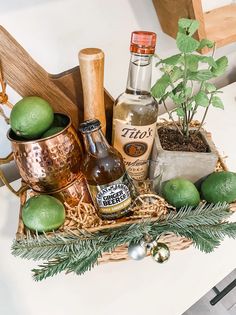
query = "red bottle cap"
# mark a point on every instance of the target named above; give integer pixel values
(143, 42)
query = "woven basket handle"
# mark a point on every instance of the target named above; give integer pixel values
(6, 160)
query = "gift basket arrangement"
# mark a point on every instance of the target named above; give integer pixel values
(103, 183)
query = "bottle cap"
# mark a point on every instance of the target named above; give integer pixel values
(89, 126)
(143, 42)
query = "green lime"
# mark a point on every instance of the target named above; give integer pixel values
(219, 187)
(51, 131)
(60, 120)
(180, 192)
(43, 213)
(31, 116)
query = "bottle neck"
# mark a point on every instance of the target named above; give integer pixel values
(140, 74)
(96, 143)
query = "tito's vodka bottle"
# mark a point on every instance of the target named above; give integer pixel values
(135, 111)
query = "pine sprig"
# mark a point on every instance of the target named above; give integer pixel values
(79, 242)
(78, 250)
(52, 268)
(209, 214)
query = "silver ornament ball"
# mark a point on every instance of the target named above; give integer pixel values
(137, 251)
(160, 253)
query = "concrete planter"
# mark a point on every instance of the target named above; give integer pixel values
(190, 165)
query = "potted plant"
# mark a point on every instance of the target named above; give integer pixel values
(186, 151)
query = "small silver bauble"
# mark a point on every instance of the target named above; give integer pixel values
(137, 251)
(160, 253)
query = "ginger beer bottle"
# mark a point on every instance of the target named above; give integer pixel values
(110, 187)
(135, 111)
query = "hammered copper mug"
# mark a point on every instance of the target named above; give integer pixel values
(74, 193)
(51, 163)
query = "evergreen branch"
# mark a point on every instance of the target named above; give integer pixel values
(81, 266)
(203, 214)
(220, 230)
(206, 238)
(79, 250)
(52, 268)
(71, 263)
(78, 242)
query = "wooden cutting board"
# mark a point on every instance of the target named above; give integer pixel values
(63, 91)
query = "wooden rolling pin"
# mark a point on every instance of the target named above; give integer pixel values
(91, 62)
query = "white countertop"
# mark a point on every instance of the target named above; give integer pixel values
(120, 288)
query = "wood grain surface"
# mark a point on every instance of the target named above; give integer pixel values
(91, 62)
(218, 25)
(27, 77)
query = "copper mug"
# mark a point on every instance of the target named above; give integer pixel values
(74, 193)
(48, 164)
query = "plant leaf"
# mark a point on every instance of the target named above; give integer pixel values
(209, 87)
(201, 75)
(185, 43)
(193, 27)
(184, 23)
(173, 60)
(190, 106)
(159, 88)
(221, 66)
(177, 98)
(189, 25)
(178, 88)
(180, 112)
(176, 74)
(217, 102)
(192, 62)
(206, 43)
(171, 94)
(208, 59)
(201, 99)
(187, 91)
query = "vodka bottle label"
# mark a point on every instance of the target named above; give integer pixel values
(135, 144)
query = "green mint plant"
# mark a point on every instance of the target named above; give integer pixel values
(182, 71)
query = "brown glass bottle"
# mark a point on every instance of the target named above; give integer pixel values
(110, 187)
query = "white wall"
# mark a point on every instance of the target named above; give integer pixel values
(208, 5)
(53, 31)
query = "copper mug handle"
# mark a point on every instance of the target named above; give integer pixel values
(6, 160)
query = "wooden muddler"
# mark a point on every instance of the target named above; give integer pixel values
(91, 61)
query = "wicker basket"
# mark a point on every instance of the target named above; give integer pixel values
(75, 221)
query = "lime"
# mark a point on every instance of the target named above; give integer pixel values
(219, 187)
(43, 213)
(60, 120)
(31, 116)
(180, 192)
(51, 131)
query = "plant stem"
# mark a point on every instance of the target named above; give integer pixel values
(171, 117)
(196, 106)
(204, 117)
(184, 106)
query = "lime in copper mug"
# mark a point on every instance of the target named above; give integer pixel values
(51, 163)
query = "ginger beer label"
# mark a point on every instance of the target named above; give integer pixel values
(114, 197)
(134, 143)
